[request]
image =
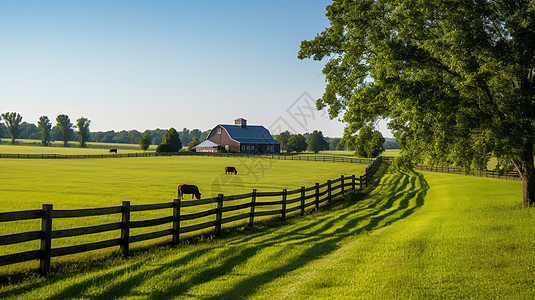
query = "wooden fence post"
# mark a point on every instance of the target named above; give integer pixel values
(302, 200)
(317, 200)
(284, 198)
(251, 215)
(329, 192)
(176, 221)
(353, 182)
(46, 240)
(342, 184)
(360, 181)
(219, 214)
(125, 227)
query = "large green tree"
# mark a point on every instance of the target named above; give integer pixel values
(64, 127)
(297, 143)
(46, 126)
(368, 143)
(317, 142)
(283, 138)
(456, 78)
(83, 130)
(144, 142)
(13, 121)
(170, 142)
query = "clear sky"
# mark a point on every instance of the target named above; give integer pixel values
(159, 64)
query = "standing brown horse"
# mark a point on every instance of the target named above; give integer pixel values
(188, 189)
(231, 170)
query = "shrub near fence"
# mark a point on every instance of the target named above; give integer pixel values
(290, 202)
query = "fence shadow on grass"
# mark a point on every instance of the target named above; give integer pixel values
(396, 197)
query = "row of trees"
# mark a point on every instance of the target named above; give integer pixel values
(64, 129)
(15, 128)
(314, 142)
(367, 143)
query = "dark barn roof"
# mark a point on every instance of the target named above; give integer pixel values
(251, 134)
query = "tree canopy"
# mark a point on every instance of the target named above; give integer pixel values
(83, 130)
(13, 120)
(297, 143)
(170, 142)
(317, 142)
(368, 143)
(283, 138)
(64, 127)
(46, 126)
(455, 78)
(144, 142)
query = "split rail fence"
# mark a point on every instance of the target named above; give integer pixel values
(154, 154)
(485, 173)
(290, 202)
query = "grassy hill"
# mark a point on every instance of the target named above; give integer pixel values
(417, 235)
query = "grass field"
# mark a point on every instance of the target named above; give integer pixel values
(418, 235)
(91, 183)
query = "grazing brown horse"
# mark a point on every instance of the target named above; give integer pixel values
(231, 170)
(113, 151)
(188, 189)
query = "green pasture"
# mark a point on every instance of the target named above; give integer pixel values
(93, 183)
(35, 147)
(417, 235)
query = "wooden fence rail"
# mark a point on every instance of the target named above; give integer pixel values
(483, 173)
(153, 154)
(320, 193)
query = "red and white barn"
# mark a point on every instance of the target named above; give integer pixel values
(241, 137)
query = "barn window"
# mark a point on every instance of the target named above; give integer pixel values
(219, 130)
(252, 147)
(243, 147)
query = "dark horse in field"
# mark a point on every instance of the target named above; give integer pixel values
(188, 189)
(113, 151)
(231, 170)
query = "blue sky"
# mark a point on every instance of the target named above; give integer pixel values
(160, 64)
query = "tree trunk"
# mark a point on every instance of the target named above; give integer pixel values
(525, 166)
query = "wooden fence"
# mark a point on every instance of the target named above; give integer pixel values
(485, 173)
(317, 194)
(513, 175)
(153, 154)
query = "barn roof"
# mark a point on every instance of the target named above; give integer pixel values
(206, 144)
(251, 134)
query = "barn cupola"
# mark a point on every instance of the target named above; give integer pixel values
(241, 122)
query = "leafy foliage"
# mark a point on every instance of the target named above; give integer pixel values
(297, 143)
(194, 142)
(317, 142)
(170, 142)
(64, 127)
(456, 78)
(13, 120)
(144, 142)
(83, 130)
(46, 126)
(283, 138)
(368, 143)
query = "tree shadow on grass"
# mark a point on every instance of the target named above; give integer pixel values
(394, 199)
(409, 197)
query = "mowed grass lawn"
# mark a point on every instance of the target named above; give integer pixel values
(27, 184)
(417, 235)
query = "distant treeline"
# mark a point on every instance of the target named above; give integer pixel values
(32, 132)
